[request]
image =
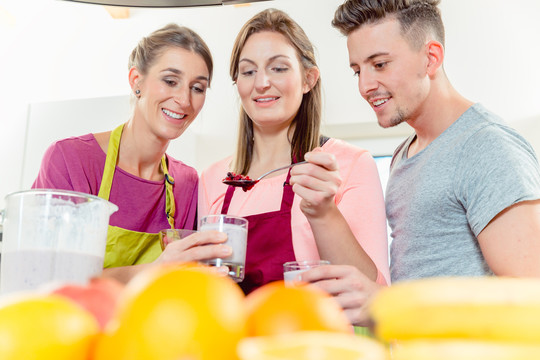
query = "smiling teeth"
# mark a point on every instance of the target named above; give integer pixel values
(266, 99)
(379, 102)
(173, 114)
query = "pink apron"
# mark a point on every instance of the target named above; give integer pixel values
(269, 241)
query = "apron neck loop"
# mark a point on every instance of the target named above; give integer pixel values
(110, 166)
(288, 193)
(227, 200)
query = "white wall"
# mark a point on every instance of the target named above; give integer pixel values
(53, 51)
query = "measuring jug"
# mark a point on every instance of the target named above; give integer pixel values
(52, 236)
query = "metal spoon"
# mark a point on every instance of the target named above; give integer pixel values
(247, 184)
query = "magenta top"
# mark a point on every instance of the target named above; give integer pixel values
(77, 164)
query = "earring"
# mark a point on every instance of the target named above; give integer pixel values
(137, 92)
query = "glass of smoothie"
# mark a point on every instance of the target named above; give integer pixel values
(236, 229)
(291, 269)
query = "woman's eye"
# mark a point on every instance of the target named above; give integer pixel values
(247, 72)
(170, 82)
(198, 89)
(356, 73)
(280, 69)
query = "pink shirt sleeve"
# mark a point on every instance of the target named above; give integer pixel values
(360, 200)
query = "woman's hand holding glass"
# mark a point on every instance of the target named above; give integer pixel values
(349, 286)
(316, 183)
(190, 249)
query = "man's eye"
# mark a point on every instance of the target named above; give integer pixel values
(380, 65)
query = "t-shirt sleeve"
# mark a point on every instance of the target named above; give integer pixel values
(74, 163)
(53, 172)
(211, 189)
(191, 202)
(362, 205)
(499, 169)
(203, 205)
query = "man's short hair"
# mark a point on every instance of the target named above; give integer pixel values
(417, 18)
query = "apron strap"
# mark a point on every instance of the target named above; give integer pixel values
(288, 194)
(170, 206)
(110, 163)
(110, 166)
(227, 200)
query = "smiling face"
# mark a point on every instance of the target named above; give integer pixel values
(270, 80)
(392, 76)
(172, 93)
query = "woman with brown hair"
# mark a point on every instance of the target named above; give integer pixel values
(330, 208)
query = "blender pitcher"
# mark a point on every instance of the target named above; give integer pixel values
(52, 236)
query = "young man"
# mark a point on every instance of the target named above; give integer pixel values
(464, 189)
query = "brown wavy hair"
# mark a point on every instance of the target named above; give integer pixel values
(307, 121)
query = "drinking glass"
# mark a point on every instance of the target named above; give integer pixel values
(292, 268)
(236, 229)
(167, 236)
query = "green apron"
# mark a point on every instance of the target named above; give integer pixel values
(126, 247)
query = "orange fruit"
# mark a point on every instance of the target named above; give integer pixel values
(310, 345)
(45, 327)
(276, 309)
(176, 313)
(99, 296)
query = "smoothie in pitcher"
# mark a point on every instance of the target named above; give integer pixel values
(29, 269)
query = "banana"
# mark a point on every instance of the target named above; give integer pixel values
(453, 349)
(311, 345)
(489, 308)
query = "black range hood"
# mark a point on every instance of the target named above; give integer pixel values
(165, 3)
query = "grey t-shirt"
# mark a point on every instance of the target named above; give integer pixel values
(439, 200)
